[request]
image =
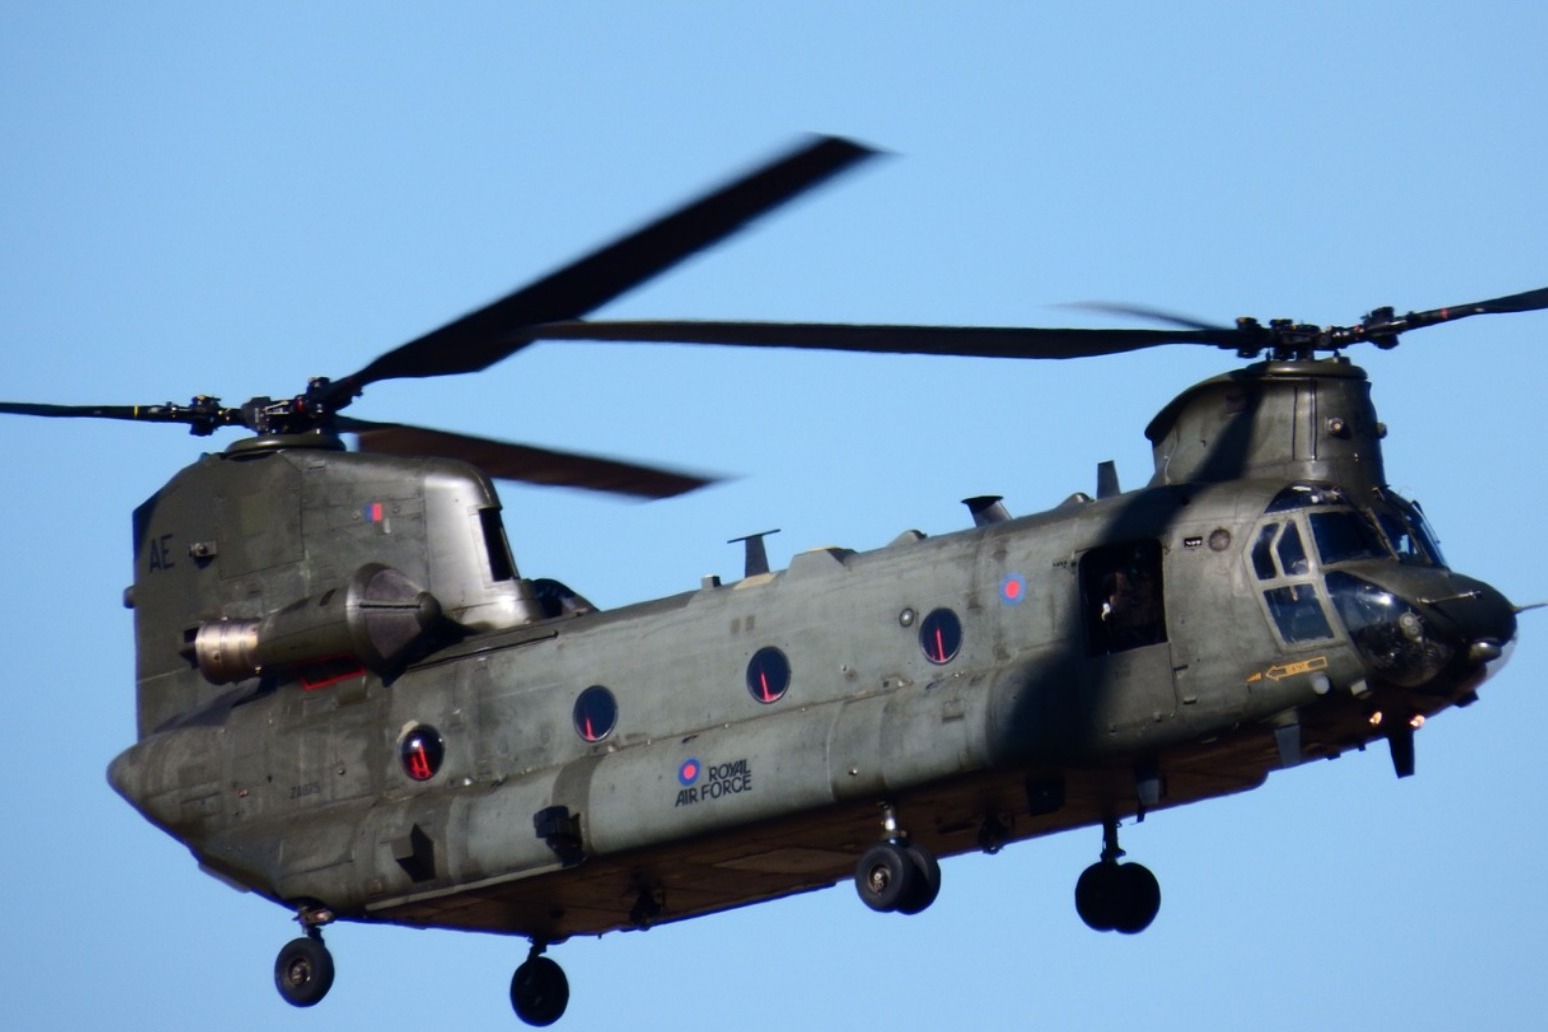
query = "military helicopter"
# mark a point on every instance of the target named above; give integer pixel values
(351, 702)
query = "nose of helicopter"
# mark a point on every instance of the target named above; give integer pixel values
(1481, 618)
(1425, 628)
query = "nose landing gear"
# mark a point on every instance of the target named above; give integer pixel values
(1115, 897)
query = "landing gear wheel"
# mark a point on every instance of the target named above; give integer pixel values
(896, 878)
(540, 991)
(928, 886)
(1114, 897)
(303, 971)
(1094, 896)
(1139, 898)
(887, 877)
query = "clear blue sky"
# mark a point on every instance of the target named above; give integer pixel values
(224, 199)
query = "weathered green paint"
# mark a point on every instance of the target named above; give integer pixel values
(300, 795)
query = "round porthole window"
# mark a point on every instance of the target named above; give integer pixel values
(596, 713)
(422, 752)
(768, 675)
(940, 635)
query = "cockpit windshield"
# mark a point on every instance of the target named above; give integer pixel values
(1341, 532)
(1344, 532)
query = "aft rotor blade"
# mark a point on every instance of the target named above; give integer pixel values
(1145, 312)
(23, 408)
(975, 341)
(524, 463)
(491, 333)
(203, 414)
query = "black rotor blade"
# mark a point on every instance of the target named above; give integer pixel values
(1145, 312)
(975, 341)
(204, 414)
(1527, 301)
(523, 462)
(23, 408)
(489, 334)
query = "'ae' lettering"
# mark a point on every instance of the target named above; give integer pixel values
(161, 553)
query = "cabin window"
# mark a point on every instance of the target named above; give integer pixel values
(596, 713)
(940, 635)
(1121, 589)
(768, 675)
(422, 752)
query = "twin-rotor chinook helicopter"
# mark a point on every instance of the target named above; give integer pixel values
(351, 702)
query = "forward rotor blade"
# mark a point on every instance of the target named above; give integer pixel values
(975, 341)
(523, 462)
(1527, 301)
(485, 336)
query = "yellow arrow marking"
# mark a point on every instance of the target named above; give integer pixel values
(1281, 671)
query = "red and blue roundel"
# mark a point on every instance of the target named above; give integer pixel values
(1013, 589)
(689, 772)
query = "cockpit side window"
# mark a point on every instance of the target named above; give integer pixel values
(1402, 539)
(1263, 554)
(1421, 527)
(1290, 592)
(1297, 613)
(1292, 553)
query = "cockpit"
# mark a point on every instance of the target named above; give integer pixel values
(1392, 526)
(1323, 561)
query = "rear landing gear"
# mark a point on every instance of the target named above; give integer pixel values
(896, 875)
(1115, 897)
(303, 971)
(539, 989)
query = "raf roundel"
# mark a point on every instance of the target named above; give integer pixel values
(1013, 589)
(688, 773)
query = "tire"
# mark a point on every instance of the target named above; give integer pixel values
(1096, 896)
(540, 992)
(303, 972)
(886, 877)
(1138, 898)
(928, 885)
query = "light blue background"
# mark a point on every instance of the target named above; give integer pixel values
(227, 198)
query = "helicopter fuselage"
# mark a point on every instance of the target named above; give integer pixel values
(578, 771)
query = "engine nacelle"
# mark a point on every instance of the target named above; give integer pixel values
(376, 619)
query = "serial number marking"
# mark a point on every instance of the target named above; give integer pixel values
(311, 788)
